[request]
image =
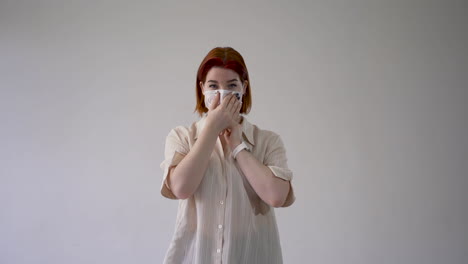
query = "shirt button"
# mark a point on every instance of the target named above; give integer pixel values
(220, 226)
(221, 202)
(218, 250)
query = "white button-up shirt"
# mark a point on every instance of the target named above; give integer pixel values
(225, 221)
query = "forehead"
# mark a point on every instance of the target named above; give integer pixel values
(221, 74)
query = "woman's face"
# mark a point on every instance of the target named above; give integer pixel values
(219, 78)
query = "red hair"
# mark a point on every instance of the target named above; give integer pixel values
(228, 58)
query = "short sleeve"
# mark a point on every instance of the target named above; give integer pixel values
(176, 148)
(277, 161)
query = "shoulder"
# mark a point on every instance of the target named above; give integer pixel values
(178, 131)
(183, 132)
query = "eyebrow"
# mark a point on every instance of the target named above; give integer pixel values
(233, 80)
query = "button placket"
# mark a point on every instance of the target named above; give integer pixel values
(220, 229)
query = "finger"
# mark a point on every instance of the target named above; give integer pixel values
(239, 106)
(232, 103)
(238, 118)
(215, 101)
(226, 101)
(226, 136)
(236, 108)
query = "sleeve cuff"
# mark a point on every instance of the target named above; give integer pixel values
(166, 166)
(286, 175)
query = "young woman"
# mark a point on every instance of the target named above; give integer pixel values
(226, 172)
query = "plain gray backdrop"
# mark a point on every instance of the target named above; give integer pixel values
(370, 98)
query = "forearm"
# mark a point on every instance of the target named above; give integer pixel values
(187, 175)
(269, 188)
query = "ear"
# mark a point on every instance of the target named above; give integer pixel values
(201, 86)
(244, 89)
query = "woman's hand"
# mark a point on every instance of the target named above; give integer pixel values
(226, 118)
(233, 135)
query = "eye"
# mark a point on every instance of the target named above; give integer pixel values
(212, 86)
(233, 85)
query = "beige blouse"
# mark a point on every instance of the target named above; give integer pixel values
(225, 221)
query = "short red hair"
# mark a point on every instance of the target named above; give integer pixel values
(228, 58)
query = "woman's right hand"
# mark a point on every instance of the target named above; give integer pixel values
(224, 115)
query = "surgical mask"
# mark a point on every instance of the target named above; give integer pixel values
(211, 94)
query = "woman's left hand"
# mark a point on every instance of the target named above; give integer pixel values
(233, 135)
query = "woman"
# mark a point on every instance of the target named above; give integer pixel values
(226, 172)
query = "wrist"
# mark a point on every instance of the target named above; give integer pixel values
(238, 149)
(213, 127)
(209, 132)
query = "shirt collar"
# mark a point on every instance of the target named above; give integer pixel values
(247, 128)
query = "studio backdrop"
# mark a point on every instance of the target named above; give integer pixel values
(369, 97)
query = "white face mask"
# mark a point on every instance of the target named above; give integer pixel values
(211, 94)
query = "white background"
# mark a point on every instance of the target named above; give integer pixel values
(368, 96)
